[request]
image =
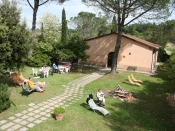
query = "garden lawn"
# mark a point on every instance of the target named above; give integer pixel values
(151, 112)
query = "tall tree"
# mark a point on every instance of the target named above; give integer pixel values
(51, 27)
(151, 9)
(13, 37)
(35, 6)
(64, 28)
(114, 25)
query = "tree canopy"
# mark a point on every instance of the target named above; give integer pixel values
(13, 37)
(87, 25)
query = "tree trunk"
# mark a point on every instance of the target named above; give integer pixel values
(116, 52)
(36, 5)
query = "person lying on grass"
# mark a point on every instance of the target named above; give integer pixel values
(36, 85)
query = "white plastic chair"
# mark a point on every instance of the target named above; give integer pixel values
(61, 69)
(46, 72)
(35, 72)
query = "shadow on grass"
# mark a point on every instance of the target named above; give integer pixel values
(8, 81)
(151, 112)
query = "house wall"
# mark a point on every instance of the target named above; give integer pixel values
(132, 53)
(99, 49)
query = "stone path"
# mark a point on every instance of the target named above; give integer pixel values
(27, 119)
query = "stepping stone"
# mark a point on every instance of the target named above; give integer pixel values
(17, 126)
(48, 115)
(24, 112)
(2, 122)
(42, 108)
(36, 106)
(31, 114)
(31, 104)
(18, 114)
(7, 125)
(38, 121)
(40, 104)
(17, 120)
(37, 116)
(43, 118)
(24, 116)
(55, 102)
(46, 106)
(56, 105)
(45, 102)
(30, 109)
(36, 111)
(23, 129)
(31, 125)
(24, 122)
(51, 108)
(43, 113)
(31, 119)
(11, 118)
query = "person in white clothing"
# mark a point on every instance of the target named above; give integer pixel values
(101, 96)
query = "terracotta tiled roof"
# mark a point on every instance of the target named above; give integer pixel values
(155, 46)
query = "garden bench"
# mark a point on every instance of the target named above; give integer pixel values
(132, 68)
(26, 89)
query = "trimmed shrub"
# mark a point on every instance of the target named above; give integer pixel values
(4, 97)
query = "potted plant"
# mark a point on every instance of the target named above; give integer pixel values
(59, 113)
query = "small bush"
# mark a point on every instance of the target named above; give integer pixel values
(170, 65)
(4, 97)
(59, 110)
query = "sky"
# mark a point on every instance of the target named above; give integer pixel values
(72, 8)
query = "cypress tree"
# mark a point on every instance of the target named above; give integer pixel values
(114, 25)
(64, 28)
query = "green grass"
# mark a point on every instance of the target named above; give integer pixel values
(151, 112)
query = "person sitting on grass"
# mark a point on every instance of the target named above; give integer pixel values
(36, 85)
(100, 97)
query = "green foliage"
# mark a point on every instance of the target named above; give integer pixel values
(59, 110)
(4, 97)
(77, 46)
(13, 37)
(41, 55)
(163, 56)
(87, 25)
(64, 28)
(170, 65)
(157, 33)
